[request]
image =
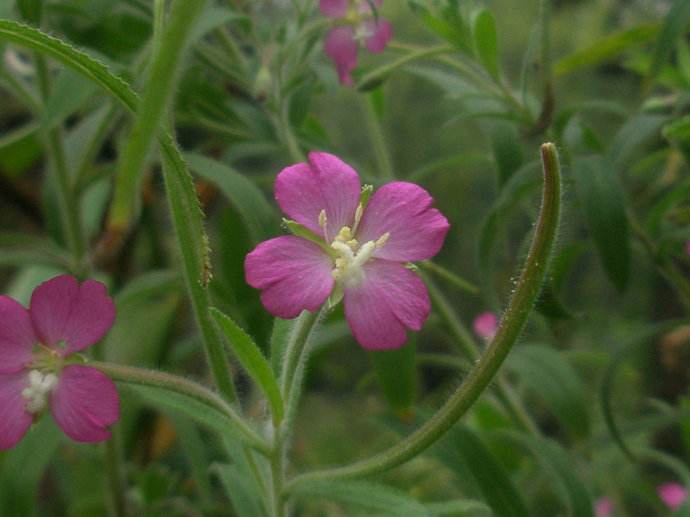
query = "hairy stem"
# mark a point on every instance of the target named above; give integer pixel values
(480, 377)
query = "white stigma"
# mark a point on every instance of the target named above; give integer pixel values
(36, 393)
(351, 257)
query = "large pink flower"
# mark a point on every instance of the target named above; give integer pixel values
(358, 252)
(356, 25)
(64, 317)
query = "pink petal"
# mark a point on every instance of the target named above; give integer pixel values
(672, 494)
(62, 311)
(295, 275)
(14, 419)
(84, 403)
(404, 210)
(364, 7)
(325, 183)
(485, 325)
(334, 8)
(17, 336)
(382, 32)
(341, 47)
(390, 299)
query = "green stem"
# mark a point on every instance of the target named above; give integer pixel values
(293, 350)
(513, 321)
(67, 203)
(168, 382)
(377, 139)
(115, 474)
(21, 91)
(449, 276)
(158, 92)
(278, 478)
(545, 71)
(288, 136)
(374, 78)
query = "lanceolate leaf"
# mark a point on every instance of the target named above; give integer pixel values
(252, 360)
(486, 41)
(675, 25)
(603, 206)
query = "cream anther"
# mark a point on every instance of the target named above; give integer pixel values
(40, 386)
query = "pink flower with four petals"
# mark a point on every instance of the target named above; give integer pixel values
(360, 252)
(360, 26)
(64, 317)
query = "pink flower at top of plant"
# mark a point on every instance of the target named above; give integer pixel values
(672, 494)
(348, 249)
(603, 507)
(63, 318)
(485, 325)
(357, 25)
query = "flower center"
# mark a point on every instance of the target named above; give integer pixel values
(351, 257)
(36, 393)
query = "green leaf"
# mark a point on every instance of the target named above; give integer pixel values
(606, 48)
(508, 155)
(603, 206)
(279, 338)
(364, 494)
(19, 149)
(678, 129)
(240, 191)
(252, 360)
(631, 138)
(458, 507)
(486, 41)
(69, 93)
(550, 377)
(23, 468)
(239, 490)
(397, 373)
(214, 419)
(467, 455)
(556, 462)
(675, 25)
(20, 249)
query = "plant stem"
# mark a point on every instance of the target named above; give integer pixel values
(377, 139)
(513, 321)
(449, 276)
(158, 92)
(115, 475)
(277, 477)
(166, 381)
(293, 350)
(67, 203)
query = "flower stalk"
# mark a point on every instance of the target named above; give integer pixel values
(514, 319)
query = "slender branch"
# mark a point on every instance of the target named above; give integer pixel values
(513, 321)
(449, 276)
(377, 139)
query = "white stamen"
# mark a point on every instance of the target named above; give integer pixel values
(351, 257)
(381, 241)
(36, 393)
(322, 218)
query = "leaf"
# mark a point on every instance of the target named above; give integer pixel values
(603, 206)
(214, 419)
(240, 191)
(673, 28)
(397, 373)
(550, 377)
(467, 455)
(252, 360)
(20, 249)
(678, 129)
(23, 468)
(362, 493)
(279, 338)
(485, 40)
(238, 489)
(69, 93)
(556, 461)
(508, 155)
(458, 507)
(606, 48)
(19, 150)
(632, 136)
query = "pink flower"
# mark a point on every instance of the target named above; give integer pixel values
(672, 494)
(485, 325)
(687, 248)
(36, 372)
(358, 26)
(348, 250)
(603, 507)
